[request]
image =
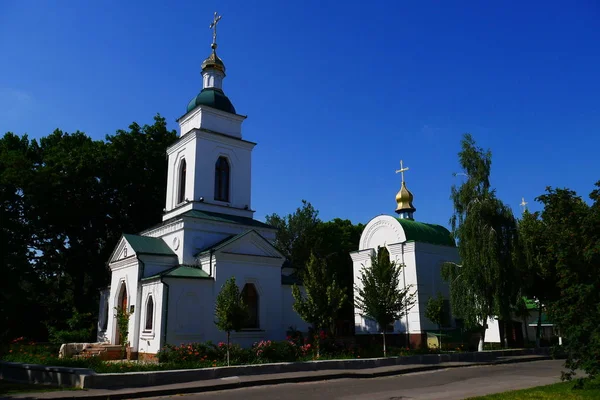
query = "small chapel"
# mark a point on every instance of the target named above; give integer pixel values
(422, 248)
(169, 275)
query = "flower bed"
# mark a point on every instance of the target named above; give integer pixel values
(208, 354)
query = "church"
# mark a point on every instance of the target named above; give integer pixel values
(422, 248)
(169, 275)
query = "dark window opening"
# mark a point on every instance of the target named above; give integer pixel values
(182, 174)
(149, 314)
(222, 179)
(250, 296)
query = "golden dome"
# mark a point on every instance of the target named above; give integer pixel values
(404, 199)
(213, 61)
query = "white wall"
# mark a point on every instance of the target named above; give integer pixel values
(430, 258)
(212, 119)
(425, 280)
(267, 280)
(124, 272)
(150, 340)
(104, 314)
(190, 314)
(201, 150)
(291, 318)
(492, 333)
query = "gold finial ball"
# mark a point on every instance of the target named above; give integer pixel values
(213, 46)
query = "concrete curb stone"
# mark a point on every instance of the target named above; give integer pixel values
(237, 382)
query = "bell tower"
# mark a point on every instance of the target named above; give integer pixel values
(210, 164)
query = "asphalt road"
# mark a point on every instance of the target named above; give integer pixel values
(455, 383)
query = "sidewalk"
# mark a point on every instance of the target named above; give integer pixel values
(237, 382)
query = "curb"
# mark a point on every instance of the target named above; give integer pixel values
(223, 385)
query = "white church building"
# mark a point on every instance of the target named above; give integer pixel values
(169, 275)
(422, 248)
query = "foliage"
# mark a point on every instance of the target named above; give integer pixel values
(65, 200)
(483, 285)
(324, 297)
(81, 329)
(296, 234)
(337, 239)
(538, 266)
(380, 296)
(230, 310)
(434, 311)
(122, 315)
(205, 355)
(574, 228)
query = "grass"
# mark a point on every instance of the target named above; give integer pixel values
(563, 391)
(7, 388)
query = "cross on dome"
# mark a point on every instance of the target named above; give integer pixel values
(213, 26)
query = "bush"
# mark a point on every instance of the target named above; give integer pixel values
(68, 336)
(81, 329)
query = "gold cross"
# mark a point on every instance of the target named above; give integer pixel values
(213, 26)
(401, 170)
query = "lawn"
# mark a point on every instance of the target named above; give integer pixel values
(563, 391)
(7, 388)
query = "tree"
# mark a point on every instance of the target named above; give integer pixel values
(65, 200)
(324, 297)
(435, 312)
(379, 295)
(296, 235)
(574, 229)
(337, 238)
(483, 285)
(538, 273)
(230, 310)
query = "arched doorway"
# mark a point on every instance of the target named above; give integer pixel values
(122, 305)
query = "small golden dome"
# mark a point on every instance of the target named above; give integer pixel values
(404, 199)
(213, 61)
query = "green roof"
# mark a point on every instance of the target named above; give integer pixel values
(232, 219)
(212, 97)
(531, 304)
(182, 271)
(148, 245)
(426, 233)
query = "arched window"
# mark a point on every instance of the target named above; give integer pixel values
(149, 314)
(182, 173)
(222, 179)
(250, 296)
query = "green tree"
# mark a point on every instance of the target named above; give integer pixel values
(379, 295)
(230, 311)
(435, 312)
(20, 285)
(324, 297)
(484, 284)
(296, 235)
(574, 229)
(538, 272)
(65, 199)
(337, 238)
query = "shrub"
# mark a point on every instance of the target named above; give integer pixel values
(68, 336)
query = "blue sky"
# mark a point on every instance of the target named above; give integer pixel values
(335, 95)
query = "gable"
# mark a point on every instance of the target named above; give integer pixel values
(133, 245)
(249, 243)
